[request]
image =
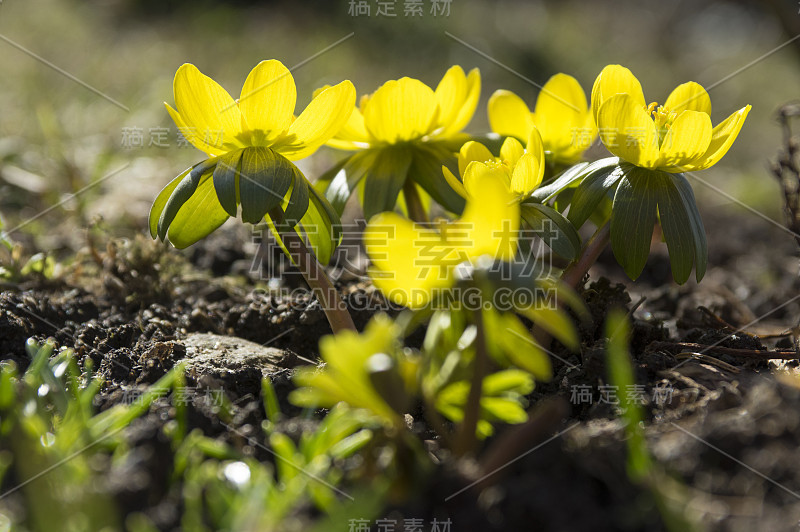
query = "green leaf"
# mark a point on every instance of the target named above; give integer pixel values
(198, 217)
(385, 179)
(633, 217)
(426, 170)
(546, 192)
(696, 224)
(556, 322)
(321, 226)
(677, 229)
(551, 226)
(503, 409)
(346, 179)
(572, 174)
(297, 204)
(180, 194)
(226, 184)
(349, 445)
(162, 198)
(590, 192)
(506, 332)
(264, 180)
(621, 376)
(510, 380)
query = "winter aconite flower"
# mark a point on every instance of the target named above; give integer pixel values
(412, 264)
(674, 137)
(250, 143)
(521, 169)
(403, 132)
(653, 145)
(561, 115)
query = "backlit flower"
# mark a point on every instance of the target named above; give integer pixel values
(405, 130)
(674, 137)
(413, 263)
(561, 114)
(521, 169)
(250, 143)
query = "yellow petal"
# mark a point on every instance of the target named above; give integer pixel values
(354, 129)
(207, 109)
(472, 151)
(321, 120)
(686, 140)
(527, 175)
(511, 151)
(400, 110)
(615, 79)
(197, 139)
(529, 170)
(691, 96)
(509, 115)
(627, 131)
(450, 94)
(560, 114)
(406, 259)
(722, 138)
(491, 216)
(267, 101)
(464, 107)
(454, 182)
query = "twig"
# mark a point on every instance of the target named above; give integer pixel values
(782, 354)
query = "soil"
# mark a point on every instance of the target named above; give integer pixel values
(729, 433)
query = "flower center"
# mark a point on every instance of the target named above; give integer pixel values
(663, 119)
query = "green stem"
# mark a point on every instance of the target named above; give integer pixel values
(575, 272)
(467, 440)
(314, 274)
(416, 212)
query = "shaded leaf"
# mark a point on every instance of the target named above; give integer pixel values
(633, 217)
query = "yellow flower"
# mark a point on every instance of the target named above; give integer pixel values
(561, 114)
(521, 168)
(405, 130)
(412, 264)
(250, 143)
(263, 116)
(674, 137)
(407, 110)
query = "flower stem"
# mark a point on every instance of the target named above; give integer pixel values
(416, 212)
(574, 273)
(466, 441)
(314, 274)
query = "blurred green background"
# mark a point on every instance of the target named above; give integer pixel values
(57, 137)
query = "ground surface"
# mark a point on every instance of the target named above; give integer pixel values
(727, 426)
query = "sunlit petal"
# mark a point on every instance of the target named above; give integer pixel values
(454, 182)
(722, 138)
(686, 140)
(560, 114)
(509, 115)
(190, 134)
(491, 217)
(511, 151)
(268, 100)
(627, 131)
(207, 110)
(467, 105)
(323, 118)
(613, 80)
(472, 151)
(691, 96)
(407, 259)
(400, 110)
